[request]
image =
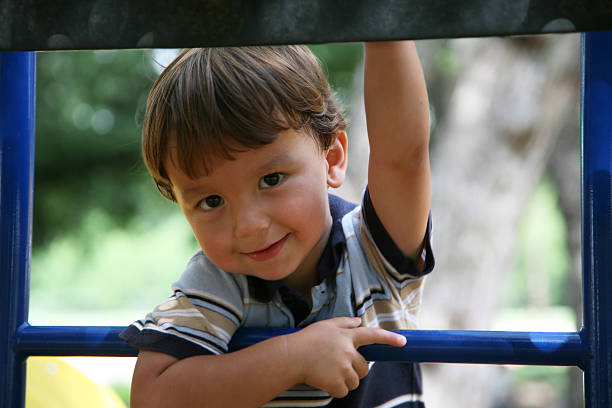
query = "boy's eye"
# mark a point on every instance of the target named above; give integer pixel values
(270, 180)
(211, 202)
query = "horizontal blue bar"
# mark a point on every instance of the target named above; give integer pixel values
(434, 346)
(71, 341)
(463, 346)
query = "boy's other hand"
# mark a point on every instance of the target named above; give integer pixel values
(326, 353)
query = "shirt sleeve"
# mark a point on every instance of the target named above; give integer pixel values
(200, 317)
(395, 260)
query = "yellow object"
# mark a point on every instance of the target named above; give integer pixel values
(53, 383)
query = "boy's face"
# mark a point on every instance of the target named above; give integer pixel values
(266, 213)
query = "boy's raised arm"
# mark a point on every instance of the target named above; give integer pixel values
(397, 114)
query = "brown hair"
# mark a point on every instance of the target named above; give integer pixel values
(213, 102)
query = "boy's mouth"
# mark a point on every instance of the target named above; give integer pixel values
(268, 252)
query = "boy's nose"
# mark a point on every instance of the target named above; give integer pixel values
(249, 222)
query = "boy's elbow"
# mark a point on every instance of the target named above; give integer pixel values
(405, 160)
(143, 394)
(147, 389)
(141, 400)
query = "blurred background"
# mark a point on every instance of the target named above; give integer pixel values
(506, 202)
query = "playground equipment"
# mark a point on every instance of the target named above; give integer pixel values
(39, 25)
(53, 383)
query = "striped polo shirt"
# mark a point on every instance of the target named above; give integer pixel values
(361, 273)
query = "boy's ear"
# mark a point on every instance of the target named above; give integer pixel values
(337, 160)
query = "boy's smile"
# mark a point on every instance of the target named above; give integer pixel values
(266, 213)
(268, 252)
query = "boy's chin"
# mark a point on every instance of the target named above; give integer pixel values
(271, 276)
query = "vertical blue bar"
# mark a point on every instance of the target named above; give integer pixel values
(596, 127)
(17, 110)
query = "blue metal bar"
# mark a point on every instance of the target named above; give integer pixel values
(17, 94)
(443, 346)
(463, 346)
(596, 127)
(71, 341)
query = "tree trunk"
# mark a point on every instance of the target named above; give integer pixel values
(511, 101)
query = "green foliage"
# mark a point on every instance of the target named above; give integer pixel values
(543, 261)
(537, 386)
(552, 374)
(87, 137)
(123, 391)
(447, 60)
(339, 62)
(118, 268)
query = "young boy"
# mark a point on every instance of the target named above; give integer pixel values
(246, 141)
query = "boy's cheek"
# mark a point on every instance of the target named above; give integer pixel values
(212, 240)
(309, 194)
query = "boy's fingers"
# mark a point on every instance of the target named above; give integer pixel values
(352, 381)
(361, 366)
(346, 322)
(366, 335)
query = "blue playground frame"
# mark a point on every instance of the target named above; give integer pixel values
(590, 348)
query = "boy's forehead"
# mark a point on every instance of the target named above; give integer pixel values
(203, 163)
(197, 159)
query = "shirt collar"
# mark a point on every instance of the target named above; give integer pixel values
(264, 290)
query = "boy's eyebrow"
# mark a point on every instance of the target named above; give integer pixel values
(276, 161)
(189, 194)
(280, 160)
